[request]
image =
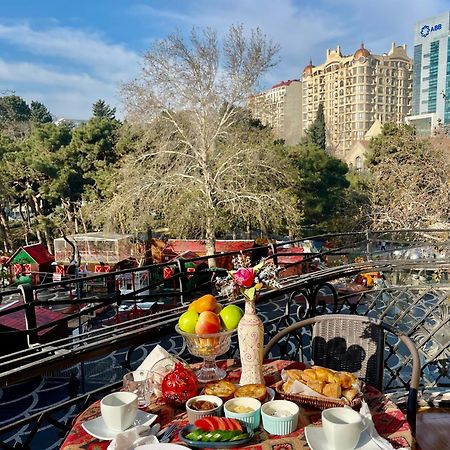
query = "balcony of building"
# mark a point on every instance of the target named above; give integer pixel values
(116, 319)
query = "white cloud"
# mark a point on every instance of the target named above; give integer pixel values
(108, 61)
(65, 94)
(79, 68)
(306, 28)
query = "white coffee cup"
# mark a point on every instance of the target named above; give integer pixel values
(119, 410)
(342, 427)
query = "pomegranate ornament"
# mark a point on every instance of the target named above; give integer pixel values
(179, 385)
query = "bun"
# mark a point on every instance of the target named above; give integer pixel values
(332, 390)
(349, 394)
(309, 375)
(325, 381)
(322, 374)
(223, 389)
(294, 374)
(316, 385)
(257, 391)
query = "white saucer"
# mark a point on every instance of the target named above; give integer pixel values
(317, 441)
(160, 446)
(97, 427)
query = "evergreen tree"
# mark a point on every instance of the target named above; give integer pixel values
(14, 109)
(322, 184)
(40, 113)
(101, 109)
(316, 132)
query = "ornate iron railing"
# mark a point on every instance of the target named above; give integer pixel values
(101, 355)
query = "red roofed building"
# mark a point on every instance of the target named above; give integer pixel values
(15, 321)
(281, 108)
(190, 248)
(30, 262)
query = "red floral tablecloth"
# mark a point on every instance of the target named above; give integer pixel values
(388, 419)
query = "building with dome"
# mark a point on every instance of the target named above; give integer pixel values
(356, 91)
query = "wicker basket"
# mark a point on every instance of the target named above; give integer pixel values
(317, 402)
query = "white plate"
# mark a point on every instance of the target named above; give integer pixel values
(97, 427)
(160, 447)
(316, 439)
(270, 394)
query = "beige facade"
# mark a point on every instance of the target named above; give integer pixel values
(281, 108)
(356, 156)
(356, 91)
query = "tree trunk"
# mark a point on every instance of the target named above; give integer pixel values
(4, 226)
(210, 242)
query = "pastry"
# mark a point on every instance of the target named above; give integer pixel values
(309, 375)
(294, 374)
(223, 389)
(349, 394)
(316, 385)
(257, 391)
(332, 390)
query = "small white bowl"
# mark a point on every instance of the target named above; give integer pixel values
(194, 414)
(280, 424)
(252, 418)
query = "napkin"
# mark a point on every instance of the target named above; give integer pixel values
(153, 357)
(372, 431)
(129, 439)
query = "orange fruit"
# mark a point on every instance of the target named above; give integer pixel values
(205, 303)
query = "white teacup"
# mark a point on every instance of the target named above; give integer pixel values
(119, 410)
(342, 427)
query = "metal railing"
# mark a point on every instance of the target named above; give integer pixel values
(302, 295)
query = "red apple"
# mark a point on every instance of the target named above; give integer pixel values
(208, 322)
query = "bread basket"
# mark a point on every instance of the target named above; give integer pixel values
(317, 402)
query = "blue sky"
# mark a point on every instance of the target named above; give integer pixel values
(67, 54)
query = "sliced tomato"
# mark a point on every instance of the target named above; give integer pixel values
(232, 424)
(218, 422)
(203, 424)
(212, 423)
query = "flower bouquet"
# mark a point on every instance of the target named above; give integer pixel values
(248, 281)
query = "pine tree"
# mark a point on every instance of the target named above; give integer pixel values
(101, 109)
(316, 132)
(40, 113)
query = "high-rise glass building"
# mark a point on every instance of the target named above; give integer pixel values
(431, 74)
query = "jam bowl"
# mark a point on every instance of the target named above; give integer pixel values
(203, 406)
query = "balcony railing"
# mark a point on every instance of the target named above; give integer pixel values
(93, 359)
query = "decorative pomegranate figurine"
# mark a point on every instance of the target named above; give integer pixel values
(179, 385)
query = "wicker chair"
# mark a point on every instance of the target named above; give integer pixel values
(355, 344)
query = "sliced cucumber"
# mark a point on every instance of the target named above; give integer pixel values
(239, 437)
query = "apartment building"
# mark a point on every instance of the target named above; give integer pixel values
(356, 91)
(280, 107)
(431, 75)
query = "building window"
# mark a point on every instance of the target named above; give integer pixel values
(358, 164)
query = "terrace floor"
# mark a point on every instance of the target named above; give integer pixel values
(433, 425)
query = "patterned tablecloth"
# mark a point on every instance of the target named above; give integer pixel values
(388, 419)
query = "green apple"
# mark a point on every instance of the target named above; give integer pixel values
(188, 321)
(231, 315)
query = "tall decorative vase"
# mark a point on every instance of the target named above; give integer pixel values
(251, 340)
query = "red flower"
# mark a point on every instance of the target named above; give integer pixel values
(244, 277)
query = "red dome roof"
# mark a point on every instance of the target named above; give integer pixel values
(308, 69)
(361, 52)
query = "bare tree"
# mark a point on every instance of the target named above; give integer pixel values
(201, 164)
(410, 179)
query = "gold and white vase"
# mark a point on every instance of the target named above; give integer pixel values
(251, 341)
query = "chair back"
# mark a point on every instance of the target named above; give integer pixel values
(351, 343)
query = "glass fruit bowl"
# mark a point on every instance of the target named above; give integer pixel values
(208, 347)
